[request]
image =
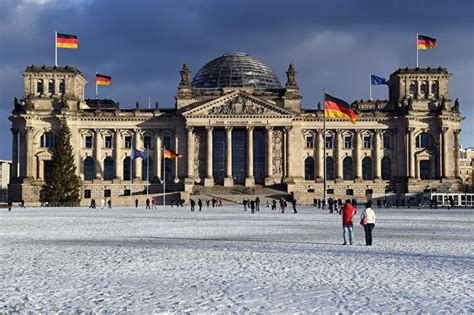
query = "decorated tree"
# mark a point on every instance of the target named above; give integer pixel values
(63, 184)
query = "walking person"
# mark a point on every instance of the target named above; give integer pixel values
(257, 204)
(252, 206)
(367, 219)
(282, 205)
(153, 203)
(192, 202)
(347, 211)
(10, 204)
(147, 202)
(245, 204)
(200, 205)
(22, 204)
(274, 205)
(109, 203)
(136, 203)
(293, 203)
(102, 203)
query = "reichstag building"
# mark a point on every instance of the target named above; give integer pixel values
(236, 125)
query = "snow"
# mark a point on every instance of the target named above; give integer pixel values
(226, 260)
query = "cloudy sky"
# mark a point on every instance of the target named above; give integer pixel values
(334, 44)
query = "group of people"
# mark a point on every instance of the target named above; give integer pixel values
(254, 205)
(93, 204)
(367, 220)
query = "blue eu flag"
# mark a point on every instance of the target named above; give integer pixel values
(375, 80)
(137, 153)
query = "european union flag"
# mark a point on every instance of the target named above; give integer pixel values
(375, 80)
(137, 153)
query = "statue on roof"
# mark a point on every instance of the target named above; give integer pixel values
(291, 76)
(184, 76)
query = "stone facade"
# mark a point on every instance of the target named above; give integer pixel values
(240, 135)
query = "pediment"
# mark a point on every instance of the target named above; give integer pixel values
(423, 154)
(237, 104)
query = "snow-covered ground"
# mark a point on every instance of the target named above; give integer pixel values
(226, 260)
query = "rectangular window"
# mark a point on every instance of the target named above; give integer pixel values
(310, 142)
(386, 142)
(51, 87)
(87, 194)
(128, 142)
(88, 142)
(108, 142)
(329, 142)
(61, 87)
(367, 142)
(107, 193)
(147, 142)
(348, 142)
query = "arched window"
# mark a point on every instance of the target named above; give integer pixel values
(434, 88)
(39, 87)
(347, 169)
(89, 168)
(62, 87)
(47, 140)
(386, 168)
(424, 140)
(329, 168)
(51, 87)
(127, 168)
(413, 88)
(109, 168)
(424, 88)
(148, 162)
(309, 168)
(367, 168)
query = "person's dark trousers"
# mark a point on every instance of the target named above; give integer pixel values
(368, 233)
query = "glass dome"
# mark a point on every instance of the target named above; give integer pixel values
(235, 70)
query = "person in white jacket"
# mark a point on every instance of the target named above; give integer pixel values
(367, 219)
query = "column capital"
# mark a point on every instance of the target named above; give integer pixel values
(190, 128)
(288, 128)
(14, 130)
(30, 129)
(250, 128)
(269, 128)
(229, 128)
(209, 128)
(444, 129)
(411, 130)
(456, 132)
(378, 131)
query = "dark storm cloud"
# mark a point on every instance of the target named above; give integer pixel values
(142, 44)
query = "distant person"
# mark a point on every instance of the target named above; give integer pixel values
(147, 202)
(192, 202)
(10, 204)
(213, 202)
(257, 204)
(207, 203)
(153, 202)
(245, 204)
(367, 219)
(282, 205)
(274, 205)
(22, 203)
(200, 205)
(347, 211)
(92, 205)
(379, 203)
(102, 203)
(323, 203)
(293, 203)
(252, 206)
(136, 203)
(268, 204)
(330, 205)
(219, 202)
(109, 203)
(451, 201)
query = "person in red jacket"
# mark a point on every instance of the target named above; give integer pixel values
(347, 211)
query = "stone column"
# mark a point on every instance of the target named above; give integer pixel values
(377, 158)
(444, 152)
(158, 155)
(189, 180)
(411, 153)
(319, 148)
(138, 162)
(289, 174)
(228, 180)
(456, 132)
(118, 155)
(338, 155)
(176, 161)
(14, 171)
(269, 180)
(98, 155)
(358, 155)
(249, 180)
(31, 166)
(22, 153)
(209, 180)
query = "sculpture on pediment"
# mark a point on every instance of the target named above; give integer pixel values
(238, 106)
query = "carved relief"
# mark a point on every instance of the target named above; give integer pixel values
(277, 148)
(238, 106)
(199, 154)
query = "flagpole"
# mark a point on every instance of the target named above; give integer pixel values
(96, 89)
(417, 50)
(370, 86)
(324, 145)
(56, 48)
(164, 177)
(147, 174)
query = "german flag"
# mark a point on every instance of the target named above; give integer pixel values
(67, 41)
(336, 108)
(170, 154)
(101, 79)
(425, 42)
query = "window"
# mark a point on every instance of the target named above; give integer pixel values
(47, 140)
(127, 168)
(147, 163)
(424, 169)
(424, 88)
(127, 192)
(347, 169)
(51, 87)
(109, 168)
(329, 142)
(330, 191)
(386, 168)
(413, 88)
(348, 142)
(350, 192)
(107, 193)
(89, 168)
(61, 87)
(309, 142)
(434, 88)
(128, 142)
(329, 168)
(108, 142)
(369, 192)
(39, 87)
(88, 141)
(367, 168)
(424, 141)
(309, 168)
(87, 194)
(367, 142)
(386, 142)
(147, 142)
(47, 169)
